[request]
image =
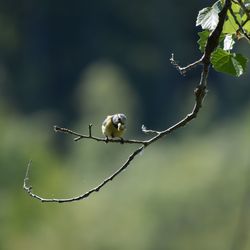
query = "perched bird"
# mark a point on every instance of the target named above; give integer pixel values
(114, 125)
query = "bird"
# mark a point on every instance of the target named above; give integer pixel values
(114, 126)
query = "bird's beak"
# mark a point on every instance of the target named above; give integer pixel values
(120, 126)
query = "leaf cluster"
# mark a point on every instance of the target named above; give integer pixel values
(236, 27)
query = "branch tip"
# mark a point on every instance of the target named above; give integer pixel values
(149, 131)
(56, 128)
(26, 178)
(183, 70)
(90, 128)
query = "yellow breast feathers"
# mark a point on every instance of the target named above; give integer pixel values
(114, 125)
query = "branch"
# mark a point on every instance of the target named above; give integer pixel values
(89, 136)
(28, 189)
(149, 131)
(183, 70)
(212, 43)
(239, 25)
(213, 39)
(200, 93)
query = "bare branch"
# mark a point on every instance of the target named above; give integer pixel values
(200, 93)
(149, 131)
(81, 136)
(183, 70)
(26, 179)
(90, 132)
(28, 189)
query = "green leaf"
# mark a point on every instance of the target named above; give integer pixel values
(247, 24)
(228, 42)
(235, 7)
(230, 63)
(208, 17)
(203, 39)
(247, 27)
(230, 26)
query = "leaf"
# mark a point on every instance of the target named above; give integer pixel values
(235, 7)
(230, 26)
(203, 39)
(208, 18)
(230, 63)
(218, 5)
(228, 42)
(247, 24)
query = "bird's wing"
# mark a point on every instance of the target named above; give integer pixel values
(106, 120)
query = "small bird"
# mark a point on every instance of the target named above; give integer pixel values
(114, 126)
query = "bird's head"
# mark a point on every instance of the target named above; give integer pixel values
(119, 120)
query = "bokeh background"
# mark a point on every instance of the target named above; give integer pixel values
(71, 63)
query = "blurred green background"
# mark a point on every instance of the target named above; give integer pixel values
(71, 64)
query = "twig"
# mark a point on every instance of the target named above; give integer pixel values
(239, 25)
(244, 22)
(149, 131)
(200, 93)
(90, 132)
(28, 189)
(26, 179)
(183, 70)
(89, 136)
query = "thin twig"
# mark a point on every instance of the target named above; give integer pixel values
(149, 131)
(26, 179)
(90, 132)
(244, 22)
(239, 25)
(200, 93)
(85, 195)
(81, 136)
(183, 70)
